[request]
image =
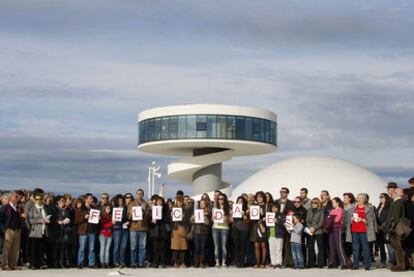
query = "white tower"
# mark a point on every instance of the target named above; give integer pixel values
(206, 135)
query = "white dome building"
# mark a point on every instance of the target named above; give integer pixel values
(316, 174)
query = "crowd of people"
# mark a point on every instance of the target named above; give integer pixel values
(42, 230)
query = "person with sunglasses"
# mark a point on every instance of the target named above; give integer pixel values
(314, 223)
(104, 201)
(286, 206)
(300, 211)
(381, 214)
(39, 221)
(221, 231)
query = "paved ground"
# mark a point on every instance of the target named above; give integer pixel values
(230, 272)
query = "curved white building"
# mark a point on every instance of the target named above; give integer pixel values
(208, 135)
(317, 174)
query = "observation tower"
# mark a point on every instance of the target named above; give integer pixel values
(205, 135)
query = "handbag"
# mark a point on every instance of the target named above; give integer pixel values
(328, 223)
(403, 228)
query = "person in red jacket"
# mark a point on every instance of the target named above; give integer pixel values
(105, 235)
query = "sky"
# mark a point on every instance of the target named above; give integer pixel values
(75, 74)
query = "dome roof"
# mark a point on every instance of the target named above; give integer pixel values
(316, 174)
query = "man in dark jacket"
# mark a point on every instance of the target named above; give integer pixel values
(396, 212)
(286, 206)
(10, 226)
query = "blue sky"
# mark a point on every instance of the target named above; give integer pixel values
(74, 75)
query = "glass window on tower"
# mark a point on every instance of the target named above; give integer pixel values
(201, 126)
(156, 135)
(262, 130)
(151, 129)
(165, 128)
(173, 127)
(191, 126)
(182, 126)
(240, 127)
(211, 126)
(267, 131)
(256, 129)
(230, 127)
(249, 129)
(221, 126)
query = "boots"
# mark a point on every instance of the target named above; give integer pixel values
(202, 265)
(196, 261)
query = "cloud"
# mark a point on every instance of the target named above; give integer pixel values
(74, 76)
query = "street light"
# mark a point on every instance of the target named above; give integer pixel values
(153, 171)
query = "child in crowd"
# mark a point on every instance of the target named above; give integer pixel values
(296, 242)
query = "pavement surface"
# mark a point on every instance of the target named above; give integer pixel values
(208, 272)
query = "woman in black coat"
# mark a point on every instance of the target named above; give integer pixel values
(382, 214)
(240, 233)
(409, 241)
(160, 231)
(200, 233)
(64, 232)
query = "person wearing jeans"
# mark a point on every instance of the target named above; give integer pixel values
(120, 240)
(221, 231)
(86, 231)
(220, 237)
(105, 235)
(120, 233)
(138, 240)
(297, 254)
(361, 229)
(138, 230)
(296, 242)
(83, 240)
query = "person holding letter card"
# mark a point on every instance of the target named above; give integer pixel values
(240, 230)
(180, 229)
(221, 229)
(275, 234)
(258, 229)
(159, 232)
(201, 226)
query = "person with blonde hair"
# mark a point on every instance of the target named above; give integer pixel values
(314, 223)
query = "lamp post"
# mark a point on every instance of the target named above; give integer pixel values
(153, 171)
